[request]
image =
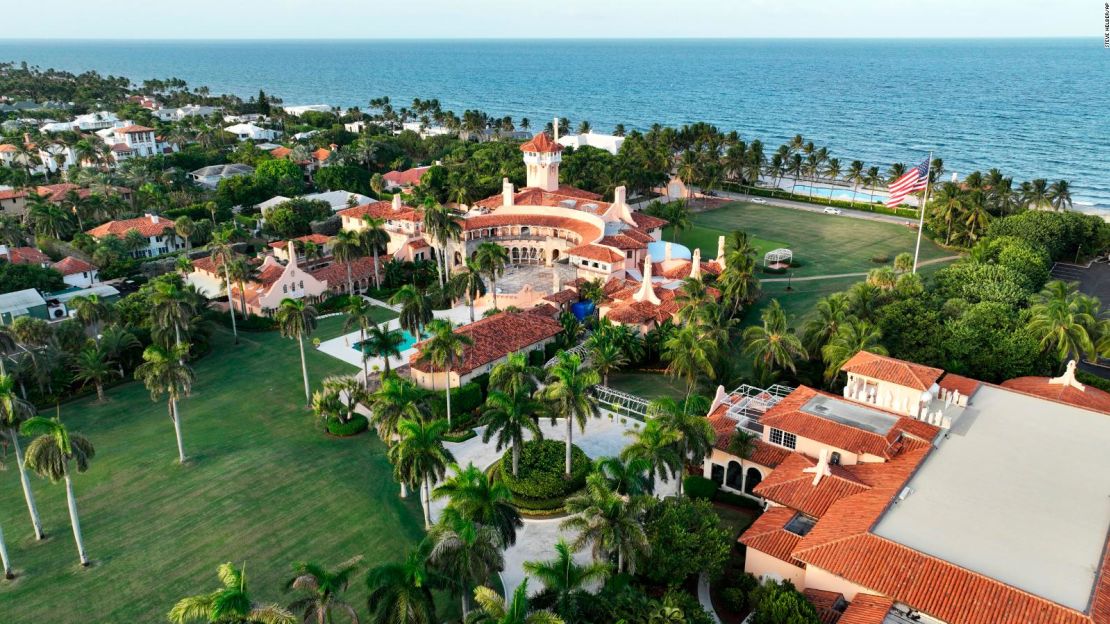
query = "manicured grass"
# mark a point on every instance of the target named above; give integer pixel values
(825, 244)
(264, 488)
(735, 520)
(648, 385)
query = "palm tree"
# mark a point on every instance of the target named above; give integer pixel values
(467, 553)
(508, 416)
(229, 604)
(419, 457)
(564, 579)
(688, 356)
(222, 254)
(742, 444)
(627, 478)
(608, 523)
(607, 357)
(493, 609)
(401, 593)
(443, 349)
(678, 216)
(491, 259)
(13, 413)
(1060, 323)
(163, 371)
(1059, 195)
(772, 344)
(171, 310)
(567, 395)
(323, 589)
(91, 311)
(850, 338)
(185, 228)
(416, 309)
(469, 281)
(854, 176)
(116, 342)
(514, 375)
(383, 343)
(361, 314)
(695, 435)
(656, 445)
(297, 319)
(49, 456)
(374, 239)
(1035, 193)
(241, 271)
(4, 561)
(473, 497)
(91, 365)
(347, 247)
(443, 227)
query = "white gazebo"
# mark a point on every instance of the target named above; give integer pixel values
(778, 258)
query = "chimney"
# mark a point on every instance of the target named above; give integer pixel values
(507, 193)
(721, 252)
(619, 195)
(397, 203)
(647, 290)
(695, 264)
(555, 129)
(556, 282)
(153, 218)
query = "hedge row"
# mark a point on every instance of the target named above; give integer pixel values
(352, 427)
(698, 487)
(909, 213)
(541, 474)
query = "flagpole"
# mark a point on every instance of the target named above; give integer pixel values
(921, 210)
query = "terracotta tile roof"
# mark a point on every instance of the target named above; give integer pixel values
(71, 266)
(132, 129)
(623, 241)
(495, 337)
(893, 370)
(1090, 397)
(208, 265)
(639, 312)
(383, 210)
(567, 295)
(646, 221)
(120, 148)
(408, 177)
(26, 255)
(788, 416)
(827, 604)
(768, 535)
(545, 310)
(319, 239)
(866, 609)
(681, 269)
(147, 225)
(541, 143)
(321, 154)
(12, 193)
(57, 192)
(361, 268)
(8, 148)
(788, 485)
(562, 197)
(417, 243)
(966, 385)
(281, 152)
(596, 252)
(588, 231)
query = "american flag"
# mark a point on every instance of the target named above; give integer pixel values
(912, 181)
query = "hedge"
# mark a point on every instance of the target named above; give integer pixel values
(535, 357)
(542, 465)
(334, 303)
(736, 500)
(252, 323)
(462, 436)
(700, 487)
(355, 426)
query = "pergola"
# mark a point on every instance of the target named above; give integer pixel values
(778, 258)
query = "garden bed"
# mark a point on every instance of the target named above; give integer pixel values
(542, 487)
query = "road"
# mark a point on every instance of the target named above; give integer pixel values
(818, 208)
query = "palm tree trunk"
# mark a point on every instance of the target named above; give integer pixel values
(620, 560)
(4, 557)
(470, 297)
(350, 283)
(176, 417)
(100, 392)
(28, 495)
(404, 490)
(493, 284)
(447, 378)
(74, 521)
(304, 371)
(570, 440)
(231, 305)
(426, 501)
(365, 370)
(377, 278)
(516, 459)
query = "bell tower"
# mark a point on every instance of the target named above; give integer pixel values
(541, 161)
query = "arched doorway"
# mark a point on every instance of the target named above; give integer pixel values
(734, 477)
(458, 258)
(754, 478)
(717, 473)
(554, 255)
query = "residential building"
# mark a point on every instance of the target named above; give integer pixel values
(921, 496)
(403, 180)
(608, 142)
(24, 255)
(131, 140)
(493, 339)
(57, 193)
(90, 122)
(251, 132)
(210, 176)
(22, 303)
(281, 248)
(297, 111)
(13, 202)
(76, 272)
(189, 110)
(159, 232)
(424, 130)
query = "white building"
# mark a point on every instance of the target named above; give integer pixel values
(297, 111)
(159, 232)
(189, 110)
(356, 126)
(608, 142)
(77, 272)
(131, 140)
(423, 130)
(85, 123)
(251, 132)
(211, 175)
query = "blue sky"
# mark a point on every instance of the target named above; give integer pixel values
(237, 19)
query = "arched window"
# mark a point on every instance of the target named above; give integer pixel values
(285, 288)
(717, 474)
(735, 476)
(525, 230)
(753, 479)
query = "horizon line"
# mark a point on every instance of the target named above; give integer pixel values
(569, 38)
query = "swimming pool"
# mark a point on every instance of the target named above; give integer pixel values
(406, 343)
(825, 192)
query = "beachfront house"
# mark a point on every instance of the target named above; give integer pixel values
(90, 122)
(608, 142)
(251, 132)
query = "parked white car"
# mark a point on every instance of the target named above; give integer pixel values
(758, 200)
(833, 211)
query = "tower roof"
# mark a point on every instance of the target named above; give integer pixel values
(541, 143)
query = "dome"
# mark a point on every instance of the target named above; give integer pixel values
(658, 251)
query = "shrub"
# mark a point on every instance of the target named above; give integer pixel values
(736, 500)
(686, 538)
(700, 487)
(774, 602)
(737, 596)
(461, 436)
(541, 475)
(880, 258)
(252, 323)
(692, 611)
(535, 357)
(333, 304)
(355, 426)
(773, 270)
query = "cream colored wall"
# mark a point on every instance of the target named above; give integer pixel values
(812, 448)
(291, 278)
(818, 578)
(425, 380)
(761, 565)
(889, 396)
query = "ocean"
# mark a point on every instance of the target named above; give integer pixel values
(1033, 108)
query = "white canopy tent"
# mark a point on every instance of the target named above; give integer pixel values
(780, 256)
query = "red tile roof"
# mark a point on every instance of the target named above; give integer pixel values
(966, 385)
(321, 154)
(408, 177)
(120, 148)
(383, 210)
(596, 252)
(567, 295)
(319, 239)
(280, 151)
(132, 129)
(26, 255)
(496, 336)
(1090, 397)
(623, 241)
(12, 193)
(866, 609)
(788, 485)
(71, 266)
(587, 231)
(147, 225)
(361, 268)
(647, 222)
(768, 535)
(541, 143)
(826, 603)
(788, 416)
(893, 370)
(8, 148)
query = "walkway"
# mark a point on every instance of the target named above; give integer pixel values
(812, 278)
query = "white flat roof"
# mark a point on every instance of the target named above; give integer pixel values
(1019, 491)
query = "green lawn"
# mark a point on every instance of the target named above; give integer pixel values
(824, 244)
(647, 385)
(263, 489)
(735, 520)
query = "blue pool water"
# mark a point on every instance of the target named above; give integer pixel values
(1031, 107)
(835, 193)
(406, 344)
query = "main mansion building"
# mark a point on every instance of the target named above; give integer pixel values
(920, 496)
